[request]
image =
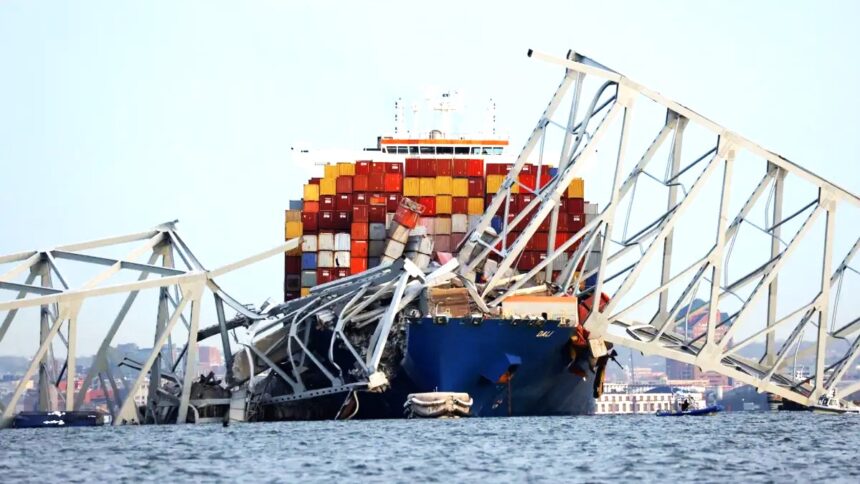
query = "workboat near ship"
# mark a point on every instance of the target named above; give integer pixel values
(415, 199)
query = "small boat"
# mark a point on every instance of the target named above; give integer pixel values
(33, 420)
(830, 405)
(710, 410)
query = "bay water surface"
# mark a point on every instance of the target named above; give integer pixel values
(740, 447)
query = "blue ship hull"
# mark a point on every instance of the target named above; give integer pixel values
(459, 356)
(508, 368)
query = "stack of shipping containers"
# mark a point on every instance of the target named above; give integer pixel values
(344, 216)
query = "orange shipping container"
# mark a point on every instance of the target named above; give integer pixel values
(427, 187)
(460, 187)
(328, 186)
(476, 206)
(444, 185)
(312, 193)
(576, 189)
(412, 187)
(443, 204)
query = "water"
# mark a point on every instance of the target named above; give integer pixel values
(731, 446)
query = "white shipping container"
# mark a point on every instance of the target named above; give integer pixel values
(325, 259)
(419, 230)
(590, 208)
(309, 243)
(442, 226)
(394, 249)
(398, 232)
(377, 231)
(459, 223)
(341, 242)
(325, 241)
(474, 220)
(341, 258)
(559, 262)
(389, 219)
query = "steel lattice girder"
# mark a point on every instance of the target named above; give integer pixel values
(620, 270)
(61, 306)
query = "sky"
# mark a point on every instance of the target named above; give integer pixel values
(117, 116)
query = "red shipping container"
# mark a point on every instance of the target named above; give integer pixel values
(528, 180)
(310, 222)
(377, 168)
(343, 184)
(363, 167)
(376, 214)
(562, 205)
(442, 243)
(394, 168)
(376, 182)
(561, 238)
(406, 217)
(342, 272)
(377, 199)
(545, 178)
(459, 205)
(544, 225)
(476, 187)
(527, 261)
(342, 219)
(357, 248)
(360, 199)
(524, 199)
(359, 231)
(392, 202)
(575, 222)
(538, 242)
(311, 207)
(444, 167)
(575, 205)
(476, 167)
(562, 222)
(314, 181)
(324, 275)
(393, 182)
(357, 265)
(343, 201)
(293, 264)
(494, 169)
(360, 213)
(429, 205)
(456, 240)
(428, 167)
(413, 167)
(326, 220)
(461, 168)
(360, 183)
(326, 203)
(528, 169)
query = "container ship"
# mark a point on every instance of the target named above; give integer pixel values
(417, 198)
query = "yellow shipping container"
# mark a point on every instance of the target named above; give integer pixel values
(494, 182)
(305, 291)
(345, 169)
(443, 204)
(411, 187)
(576, 189)
(460, 187)
(330, 171)
(312, 193)
(444, 185)
(328, 186)
(427, 187)
(475, 206)
(293, 230)
(292, 215)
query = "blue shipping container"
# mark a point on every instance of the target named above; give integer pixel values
(309, 260)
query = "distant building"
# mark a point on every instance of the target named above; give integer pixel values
(694, 326)
(210, 360)
(620, 399)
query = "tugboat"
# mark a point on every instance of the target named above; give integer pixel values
(830, 405)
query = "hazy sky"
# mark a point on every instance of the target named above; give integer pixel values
(116, 116)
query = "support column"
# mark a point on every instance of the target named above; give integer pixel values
(675, 162)
(824, 305)
(47, 391)
(770, 339)
(191, 357)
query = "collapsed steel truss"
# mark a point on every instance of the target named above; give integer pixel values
(181, 290)
(620, 268)
(375, 299)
